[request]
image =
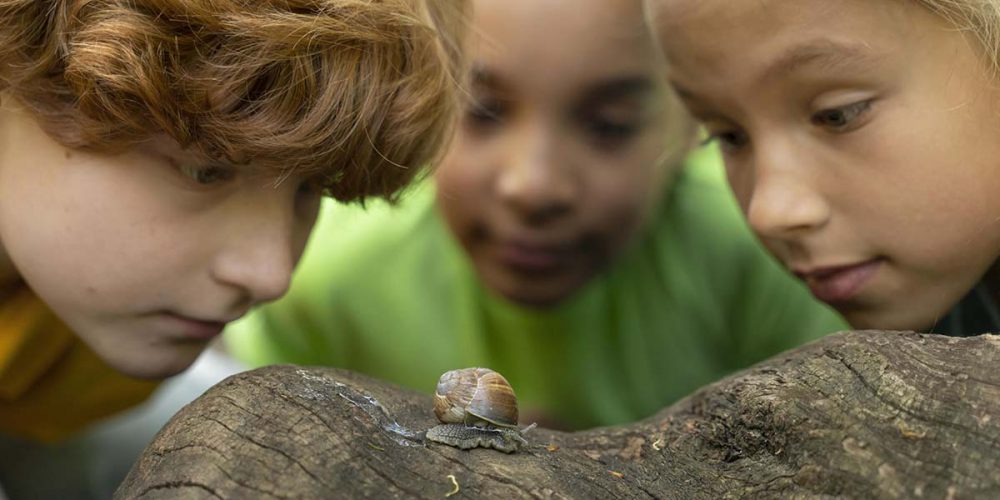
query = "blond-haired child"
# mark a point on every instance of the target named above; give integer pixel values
(161, 165)
(861, 139)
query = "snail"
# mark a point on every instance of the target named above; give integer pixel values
(477, 408)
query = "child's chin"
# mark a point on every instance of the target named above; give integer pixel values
(886, 318)
(156, 367)
(540, 296)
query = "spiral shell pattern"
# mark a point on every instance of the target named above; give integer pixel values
(475, 396)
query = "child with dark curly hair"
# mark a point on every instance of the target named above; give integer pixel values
(161, 166)
(567, 240)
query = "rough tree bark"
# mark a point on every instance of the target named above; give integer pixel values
(858, 414)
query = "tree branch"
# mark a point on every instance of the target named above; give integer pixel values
(858, 414)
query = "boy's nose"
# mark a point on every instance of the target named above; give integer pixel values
(262, 272)
(259, 259)
(785, 202)
(536, 181)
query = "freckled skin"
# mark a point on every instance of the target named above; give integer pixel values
(113, 242)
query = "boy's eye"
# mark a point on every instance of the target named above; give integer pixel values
(609, 133)
(208, 175)
(842, 119)
(308, 196)
(313, 187)
(729, 140)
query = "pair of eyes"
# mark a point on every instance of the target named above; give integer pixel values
(606, 130)
(841, 119)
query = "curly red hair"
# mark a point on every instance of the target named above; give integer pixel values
(360, 93)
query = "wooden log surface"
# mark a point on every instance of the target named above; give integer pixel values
(862, 414)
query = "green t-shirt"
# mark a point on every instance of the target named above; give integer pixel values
(388, 292)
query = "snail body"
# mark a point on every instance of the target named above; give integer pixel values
(505, 439)
(477, 408)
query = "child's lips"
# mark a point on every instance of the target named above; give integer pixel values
(836, 284)
(532, 257)
(194, 328)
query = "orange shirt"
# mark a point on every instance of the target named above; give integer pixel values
(51, 383)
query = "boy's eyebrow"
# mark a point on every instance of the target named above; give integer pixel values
(619, 87)
(604, 91)
(827, 53)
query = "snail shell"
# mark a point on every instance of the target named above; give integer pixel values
(475, 396)
(478, 409)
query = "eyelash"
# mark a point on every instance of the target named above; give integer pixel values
(610, 133)
(206, 176)
(315, 186)
(851, 111)
(725, 144)
(849, 121)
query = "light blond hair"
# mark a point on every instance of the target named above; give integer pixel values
(978, 19)
(359, 93)
(682, 135)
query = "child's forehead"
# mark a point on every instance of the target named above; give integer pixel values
(603, 16)
(528, 32)
(736, 43)
(763, 20)
(561, 47)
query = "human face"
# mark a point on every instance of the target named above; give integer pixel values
(557, 162)
(148, 254)
(861, 138)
